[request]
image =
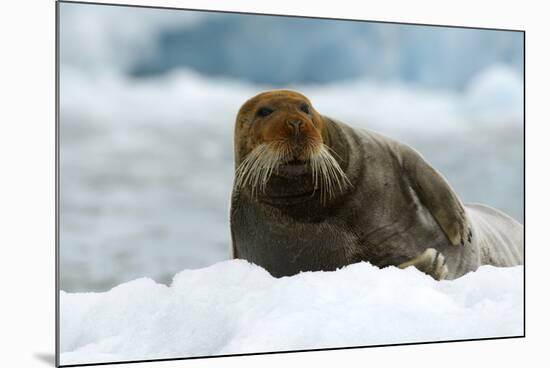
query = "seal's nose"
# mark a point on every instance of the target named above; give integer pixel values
(296, 125)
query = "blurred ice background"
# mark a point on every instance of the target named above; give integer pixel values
(148, 98)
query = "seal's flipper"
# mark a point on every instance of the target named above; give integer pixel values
(437, 196)
(431, 262)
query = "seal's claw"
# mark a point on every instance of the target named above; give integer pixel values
(431, 262)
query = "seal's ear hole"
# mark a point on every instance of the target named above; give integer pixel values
(304, 107)
(263, 112)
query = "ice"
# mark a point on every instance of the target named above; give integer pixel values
(236, 307)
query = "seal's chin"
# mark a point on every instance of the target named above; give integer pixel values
(293, 168)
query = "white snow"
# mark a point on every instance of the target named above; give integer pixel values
(236, 307)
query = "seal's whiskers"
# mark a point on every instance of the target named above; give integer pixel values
(259, 165)
(327, 173)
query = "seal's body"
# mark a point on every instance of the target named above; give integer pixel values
(387, 206)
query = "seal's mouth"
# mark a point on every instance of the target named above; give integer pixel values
(295, 162)
(294, 167)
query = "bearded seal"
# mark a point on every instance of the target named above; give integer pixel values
(312, 193)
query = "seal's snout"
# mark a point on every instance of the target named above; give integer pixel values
(298, 138)
(295, 126)
(290, 131)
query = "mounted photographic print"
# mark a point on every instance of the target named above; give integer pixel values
(233, 183)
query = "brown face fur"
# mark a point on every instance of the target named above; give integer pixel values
(285, 119)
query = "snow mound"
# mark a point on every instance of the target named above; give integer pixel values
(237, 307)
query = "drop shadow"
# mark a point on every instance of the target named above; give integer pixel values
(46, 358)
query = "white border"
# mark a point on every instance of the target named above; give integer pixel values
(27, 183)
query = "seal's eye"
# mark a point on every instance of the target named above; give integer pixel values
(304, 108)
(264, 111)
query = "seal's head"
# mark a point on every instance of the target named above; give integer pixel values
(280, 133)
